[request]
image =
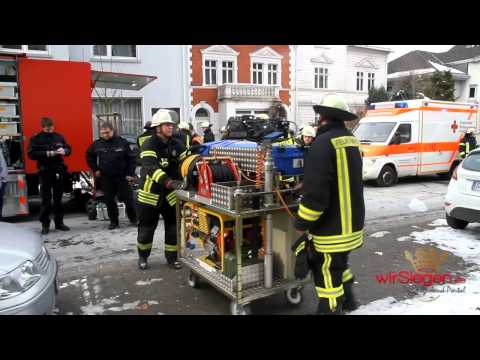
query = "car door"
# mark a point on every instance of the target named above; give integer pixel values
(406, 149)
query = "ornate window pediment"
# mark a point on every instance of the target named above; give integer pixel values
(219, 50)
(267, 53)
(366, 63)
(322, 59)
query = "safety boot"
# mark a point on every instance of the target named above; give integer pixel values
(350, 303)
(142, 263)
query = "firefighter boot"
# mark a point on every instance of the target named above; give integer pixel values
(113, 225)
(142, 263)
(62, 227)
(350, 303)
(324, 308)
(45, 229)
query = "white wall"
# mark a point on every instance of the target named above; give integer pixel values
(166, 62)
(342, 62)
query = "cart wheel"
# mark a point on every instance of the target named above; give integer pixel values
(193, 280)
(294, 296)
(238, 309)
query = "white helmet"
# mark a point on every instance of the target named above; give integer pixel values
(184, 126)
(204, 124)
(163, 116)
(223, 129)
(308, 131)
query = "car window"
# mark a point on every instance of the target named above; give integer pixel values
(472, 162)
(405, 133)
(373, 132)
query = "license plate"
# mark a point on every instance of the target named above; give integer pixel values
(476, 186)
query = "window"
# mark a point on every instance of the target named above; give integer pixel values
(373, 132)
(100, 50)
(359, 81)
(321, 78)
(227, 72)
(26, 48)
(257, 73)
(472, 94)
(130, 110)
(403, 134)
(472, 162)
(371, 80)
(272, 74)
(116, 51)
(210, 72)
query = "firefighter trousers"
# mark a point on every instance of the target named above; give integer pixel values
(148, 217)
(51, 186)
(333, 279)
(118, 187)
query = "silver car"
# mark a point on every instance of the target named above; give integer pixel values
(28, 283)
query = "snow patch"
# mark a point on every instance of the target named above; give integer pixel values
(147, 282)
(404, 238)
(448, 299)
(380, 234)
(438, 222)
(379, 253)
(417, 205)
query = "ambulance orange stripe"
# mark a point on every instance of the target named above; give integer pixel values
(378, 150)
(398, 111)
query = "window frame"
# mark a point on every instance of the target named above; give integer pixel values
(265, 71)
(474, 87)
(370, 80)
(109, 55)
(210, 68)
(227, 70)
(320, 72)
(26, 50)
(361, 79)
(397, 130)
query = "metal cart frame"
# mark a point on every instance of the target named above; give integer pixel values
(240, 298)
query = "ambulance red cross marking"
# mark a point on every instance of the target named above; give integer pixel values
(454, 126)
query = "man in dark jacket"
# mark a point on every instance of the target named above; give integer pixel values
(48, 148)
(113, 162)
(332, 208)
(207, 132)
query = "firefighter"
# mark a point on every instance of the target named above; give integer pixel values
(332, 209)
(207, 132)
(145, 135)
(161, 156)
(184, 134)
(49, 148)
(306, 137)
(113, 163)
(468, 143)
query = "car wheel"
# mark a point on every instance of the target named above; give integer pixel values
(387, 177)
(456, 223)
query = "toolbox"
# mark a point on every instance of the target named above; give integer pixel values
(288, 159)
(223, 195)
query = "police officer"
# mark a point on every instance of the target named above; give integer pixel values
(468, 143)
(161, 156)
(332, 209)
(145, 135)
(113, 163)
(48, 148)
(207, 132)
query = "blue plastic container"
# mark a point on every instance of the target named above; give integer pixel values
(288, 159)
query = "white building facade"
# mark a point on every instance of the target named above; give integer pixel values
(168, 63)
(348, 70)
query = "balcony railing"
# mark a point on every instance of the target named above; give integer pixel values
(247, 91)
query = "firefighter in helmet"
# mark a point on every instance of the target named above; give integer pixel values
(145, 135)
(160, 156)
(184, 134)
(468, 143)
(332, 209)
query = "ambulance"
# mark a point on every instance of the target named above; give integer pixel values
(413, 137)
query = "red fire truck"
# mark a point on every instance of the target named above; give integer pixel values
(31, 89)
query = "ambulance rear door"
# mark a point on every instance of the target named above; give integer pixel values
(441, 123)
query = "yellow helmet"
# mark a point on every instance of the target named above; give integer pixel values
(308, 131)
(335, 107)
(163, 116)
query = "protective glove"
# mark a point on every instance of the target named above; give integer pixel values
(175, 184)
